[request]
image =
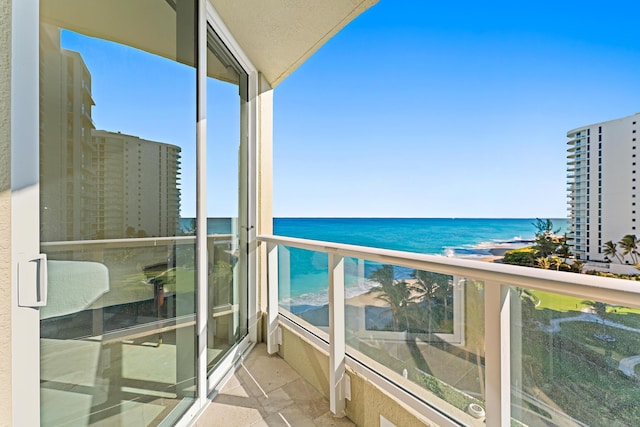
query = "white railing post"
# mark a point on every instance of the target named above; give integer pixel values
(336, 334)
(497, 354)
(273, 331)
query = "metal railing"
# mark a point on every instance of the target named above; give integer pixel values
(499, 280)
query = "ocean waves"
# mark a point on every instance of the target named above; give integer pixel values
(486, 249)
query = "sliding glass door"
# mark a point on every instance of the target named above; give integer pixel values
(227, 223)
(119, 210)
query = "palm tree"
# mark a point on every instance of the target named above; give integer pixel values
(610, 249)
(576, 266)
(557, 262)
(395, 293)
(543, 262)
(629, 245)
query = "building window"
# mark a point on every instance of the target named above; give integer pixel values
(599, 129)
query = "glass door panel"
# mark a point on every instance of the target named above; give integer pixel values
(227, 280)
(117, 174)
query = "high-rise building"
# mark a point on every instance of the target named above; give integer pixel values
(137, 186)
(602, 178)
(99, 184)
(68, 198)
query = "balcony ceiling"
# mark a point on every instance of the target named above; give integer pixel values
(279, 35)
(276, 35)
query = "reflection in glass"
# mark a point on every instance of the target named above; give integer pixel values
(117, 144)
(423, 329)
(226, 211)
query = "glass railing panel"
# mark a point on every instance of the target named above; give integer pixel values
(303, 286)
(574, 361)
(422, 329)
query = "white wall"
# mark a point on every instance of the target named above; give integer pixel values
(5, 212)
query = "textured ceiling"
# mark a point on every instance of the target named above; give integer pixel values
(276, 35)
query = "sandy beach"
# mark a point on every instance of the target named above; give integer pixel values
(372, 298)
(319, 315)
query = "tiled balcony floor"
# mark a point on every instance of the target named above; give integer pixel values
(266, 391)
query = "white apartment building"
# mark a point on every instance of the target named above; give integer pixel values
(137, 186)
(602, 181)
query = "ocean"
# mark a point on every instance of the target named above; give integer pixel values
(305, 285)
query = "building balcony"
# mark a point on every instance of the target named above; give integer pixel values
(481, 344)
(461, 357)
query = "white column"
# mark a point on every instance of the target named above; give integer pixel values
(273, 340)
(336, 334)
(201, 202)
(497, 354)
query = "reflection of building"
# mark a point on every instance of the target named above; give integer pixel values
(68, 203)
(137, 186)
(602, 174)
(96, 184)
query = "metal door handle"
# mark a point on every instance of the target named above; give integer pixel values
(33, 271)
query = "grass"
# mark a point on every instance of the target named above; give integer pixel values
(579, 372)
(564, 304)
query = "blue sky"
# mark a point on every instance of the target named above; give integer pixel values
(415, 109)
(451, 109)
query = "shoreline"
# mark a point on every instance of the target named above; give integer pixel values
(315, 313)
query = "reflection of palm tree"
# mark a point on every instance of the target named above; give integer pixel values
(629, 245)
(395, 293)
(426, 287)
(610, 249)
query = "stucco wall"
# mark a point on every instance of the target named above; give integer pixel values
(5, 212)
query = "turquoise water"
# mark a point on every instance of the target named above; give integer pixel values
(421, 235)
(305, 282)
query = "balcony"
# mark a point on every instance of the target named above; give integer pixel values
(509, 344)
